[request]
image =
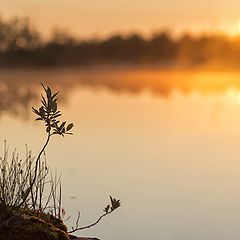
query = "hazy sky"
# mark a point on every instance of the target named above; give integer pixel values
(98, 18)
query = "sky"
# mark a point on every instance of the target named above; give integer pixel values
(95, 18)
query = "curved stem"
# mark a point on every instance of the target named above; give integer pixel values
(39, 156)
(35, 172)
(90, 225)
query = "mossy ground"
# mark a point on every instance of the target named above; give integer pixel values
(18, 224)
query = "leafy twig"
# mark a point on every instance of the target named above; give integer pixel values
(49, 114)
(108, 209)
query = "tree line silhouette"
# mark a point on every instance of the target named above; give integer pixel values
(21, 45)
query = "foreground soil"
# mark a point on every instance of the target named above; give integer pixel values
(32, 225)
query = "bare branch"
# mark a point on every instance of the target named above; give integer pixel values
(77, 228)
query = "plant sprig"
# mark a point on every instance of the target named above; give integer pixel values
(33, 190)
(114, 204)
(49, 114)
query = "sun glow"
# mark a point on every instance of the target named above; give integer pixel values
(232, 28)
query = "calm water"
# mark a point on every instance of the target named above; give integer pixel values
(166, 143)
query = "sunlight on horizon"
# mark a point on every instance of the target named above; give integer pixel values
(97, 19)
(231, 28)
(152, 89)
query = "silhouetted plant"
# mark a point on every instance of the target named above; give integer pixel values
(48, 113)
(23, 184)
(114, 204)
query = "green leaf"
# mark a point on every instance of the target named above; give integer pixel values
(69, 133)
(114, 203)
(35, 111)
(44, 102)
(54, 106)
(57, 115)
(54, 95)
(62, 126)
(44, 88)
(111, 200)
(57, 112)
(106, 209)
(69, 126)
(49, 93)
(41, 111)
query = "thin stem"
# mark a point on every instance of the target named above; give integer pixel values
(35, 172)
(88, 226)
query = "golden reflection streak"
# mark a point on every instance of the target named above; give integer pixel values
(18, 88)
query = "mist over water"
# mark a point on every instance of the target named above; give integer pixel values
(23, 85)
(165, 142)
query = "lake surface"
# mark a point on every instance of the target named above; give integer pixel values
(167, 143)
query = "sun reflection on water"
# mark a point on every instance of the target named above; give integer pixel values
(168, 140)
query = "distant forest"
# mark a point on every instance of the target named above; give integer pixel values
(22, 46)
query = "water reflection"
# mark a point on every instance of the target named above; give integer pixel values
(172, 158)
(20, 88)
(15, 99)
